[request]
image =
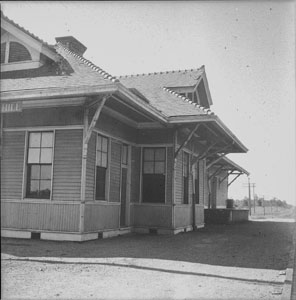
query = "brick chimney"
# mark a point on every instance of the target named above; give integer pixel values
(72, 44)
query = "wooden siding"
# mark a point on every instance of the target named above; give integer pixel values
(67, 165)
(183, 215)
(64, 116)
(155, 136)
(90, 169)
(169, 174)
(178, 179)
(116, 128)
(12, 165)
(115, 172)
(101, 216)
(135, 174)
(149, 215)
(40, 216)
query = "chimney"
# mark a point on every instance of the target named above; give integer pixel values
(72, 44)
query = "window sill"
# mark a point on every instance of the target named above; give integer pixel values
(36, 201)
(22, 65)
(152, 204)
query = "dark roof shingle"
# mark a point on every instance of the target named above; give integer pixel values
(157, 88)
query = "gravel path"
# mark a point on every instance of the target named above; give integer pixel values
(239, 261)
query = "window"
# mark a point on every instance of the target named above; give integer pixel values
(185, 177)
(18, 52)
(101, 166)
(154, 175)
(124, 155)
(39, 165)
(192, 96)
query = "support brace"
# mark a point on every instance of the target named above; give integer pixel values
(234, 179)
(216, 172)
(94, 119)
(211, 130)
(216, 160)
(187, 140)
(226, 176)
(203, 155)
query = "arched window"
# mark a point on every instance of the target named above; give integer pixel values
(17, 52)
(3, 50)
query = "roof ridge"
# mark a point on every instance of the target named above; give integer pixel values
(196, 105)
(90, 64)
(161, 72)
(25, 30)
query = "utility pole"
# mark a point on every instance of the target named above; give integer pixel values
(248, 185)
(253, 186)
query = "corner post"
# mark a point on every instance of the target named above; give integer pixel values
(83, 171)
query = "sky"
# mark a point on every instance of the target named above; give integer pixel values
(247, 47)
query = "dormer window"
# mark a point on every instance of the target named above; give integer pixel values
(22, 51)
(198, 94)
(192, 96)
(188, 92)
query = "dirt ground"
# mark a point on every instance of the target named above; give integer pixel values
(239, 261)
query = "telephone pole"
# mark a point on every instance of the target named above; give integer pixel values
(248, 185)
(253, 186)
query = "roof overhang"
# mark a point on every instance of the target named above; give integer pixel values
(69, 94)
(229, 165)
(215, 126)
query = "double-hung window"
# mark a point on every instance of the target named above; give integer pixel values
(154, 175)
(39, 164)
(101, 166)
(185, 177)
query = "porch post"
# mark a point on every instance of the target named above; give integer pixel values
(87, 130)
(174, 177)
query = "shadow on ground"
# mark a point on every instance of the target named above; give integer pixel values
(263, 245)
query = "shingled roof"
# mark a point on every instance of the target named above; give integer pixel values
(153, 92)
(85, 74)
(157, 87)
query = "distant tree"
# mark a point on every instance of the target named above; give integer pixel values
(246, 201)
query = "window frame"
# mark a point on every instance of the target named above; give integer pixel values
(185, 200)
(27, 164)
(106, 185)
(164, 173)
(196, 180)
